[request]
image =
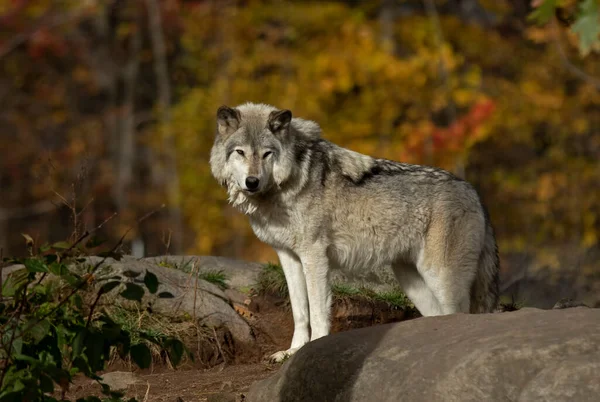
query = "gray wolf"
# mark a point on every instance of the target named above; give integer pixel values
(321, 206)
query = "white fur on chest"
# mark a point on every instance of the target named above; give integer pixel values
(276, 228)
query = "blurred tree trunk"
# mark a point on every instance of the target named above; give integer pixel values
(126, 139)
(171, 176)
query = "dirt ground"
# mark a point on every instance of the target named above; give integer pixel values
(272, 323)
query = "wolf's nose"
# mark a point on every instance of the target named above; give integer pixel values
(252, 183)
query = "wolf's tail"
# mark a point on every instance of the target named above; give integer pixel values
(485, 288)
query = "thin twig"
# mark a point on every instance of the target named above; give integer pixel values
(147, 392)
(88, 276)
(195, 288)
(93, 307)
(219, 345)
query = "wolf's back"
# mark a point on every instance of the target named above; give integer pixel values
(485, 288)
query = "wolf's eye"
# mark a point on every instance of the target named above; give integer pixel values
(239, 151)
(267, 154)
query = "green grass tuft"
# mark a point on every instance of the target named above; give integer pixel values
(216, 277)
(271, 280)
(395, 298)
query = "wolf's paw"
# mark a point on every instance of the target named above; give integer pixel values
(282, 355)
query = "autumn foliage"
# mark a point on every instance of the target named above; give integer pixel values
(506, 101)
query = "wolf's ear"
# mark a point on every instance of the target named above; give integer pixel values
(228, 120)
(279, 121)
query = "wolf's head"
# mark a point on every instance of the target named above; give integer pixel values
(253, 152)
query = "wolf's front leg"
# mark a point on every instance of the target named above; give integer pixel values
(316, 271)
(294, 277)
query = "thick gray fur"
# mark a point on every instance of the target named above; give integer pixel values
(322, 206)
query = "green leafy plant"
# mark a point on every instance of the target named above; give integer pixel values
(585, 24)
(52, 329)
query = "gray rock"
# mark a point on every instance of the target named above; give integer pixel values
(9, 269)
(192, 296)
(119, 380)
(240, 274)
(525, 355)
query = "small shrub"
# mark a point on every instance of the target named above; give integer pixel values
(51, 328)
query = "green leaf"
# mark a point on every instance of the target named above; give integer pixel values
(81, 363)
(28, 239)
(13, 396)
(111, 331)
(78, 342)
(94, 242)
(141, 355)
(175, 348)
(14, 281)
(544, 12)
(17, 345)
(77, 300)
(61, 245)
(50, 258)
(94, 351)
(58, 269)
(25, 358)
(587, 26)
(46, 383)
(165, 295)
(39, 329)
(151, 282)
(35, 265)
(133, 292)
(108, 286)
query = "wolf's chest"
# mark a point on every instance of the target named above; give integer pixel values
(277, 231)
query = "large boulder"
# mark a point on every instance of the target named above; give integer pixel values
(240, 274)
(527, 355)
(193, 297)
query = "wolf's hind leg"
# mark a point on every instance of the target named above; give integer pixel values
(296, 282)
(416, 289)
(451, 291)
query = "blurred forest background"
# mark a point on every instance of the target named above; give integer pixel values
(107, 113)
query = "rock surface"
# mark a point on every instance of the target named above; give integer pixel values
(240, 274)
(525, 355)
(192, 296)
(119, 380)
